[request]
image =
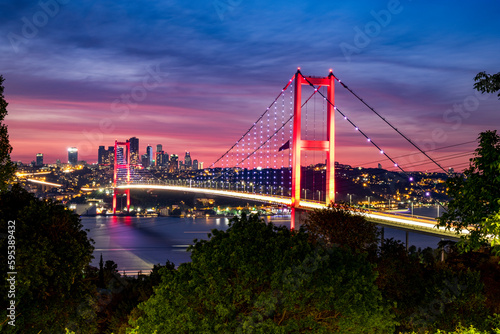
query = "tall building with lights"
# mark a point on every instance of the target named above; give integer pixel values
(151, 156)
(145, 160)
(101, 155)
(174, 163)
(134, 151)
(73, 156)
(39, 159)
(110, 156)
(188, 164)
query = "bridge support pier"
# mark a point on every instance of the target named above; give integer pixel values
(117, 191)
(124, 163)
(299, 145)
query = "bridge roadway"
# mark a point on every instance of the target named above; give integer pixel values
(400, 221)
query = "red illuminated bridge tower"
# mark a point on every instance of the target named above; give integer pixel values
(121, 171)
(300, 145)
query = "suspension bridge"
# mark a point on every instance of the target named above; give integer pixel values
(286, 157)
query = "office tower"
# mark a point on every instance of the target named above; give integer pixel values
(187, 161)
(149, 153)
(111, 155)
(174, 163)
(159, 148)
(160, 158)
(145, 161)
(195, 164)
(134, 150)
(101, 155)
(39, 159)
(73, 156)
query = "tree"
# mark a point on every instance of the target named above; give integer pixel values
(338, 225)
(487, 83)
(475, 196)
(259, 278)
(6, 166)
(52, 253)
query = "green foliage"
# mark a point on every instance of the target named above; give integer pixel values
(51, 256)
(466, 330)
(487, 83)
(6, 166)
(338, 225)
(122, 295)
(259, 278)
(475, 197)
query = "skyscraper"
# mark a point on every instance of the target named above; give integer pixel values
(73, 156)
(145, 160)
(187, 161)
(195, 164)
(101, 155)
(151, 157)
(160, 158)
(174, 163)
(39, 159)
(159, 148)
(111, 155)
(134, 150)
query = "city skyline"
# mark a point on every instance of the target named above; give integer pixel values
(197, 75)
(39, 157)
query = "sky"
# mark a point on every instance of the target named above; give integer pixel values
(194, 75)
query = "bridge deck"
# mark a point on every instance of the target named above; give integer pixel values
(413, 224)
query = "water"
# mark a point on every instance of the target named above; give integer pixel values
(138, 243)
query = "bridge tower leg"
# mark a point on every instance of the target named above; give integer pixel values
(299, 145)
(121, 165)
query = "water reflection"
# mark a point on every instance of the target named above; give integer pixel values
(137, 243)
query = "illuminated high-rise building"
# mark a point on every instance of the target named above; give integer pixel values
(188, 164)
(150, 154)
(145, 160)
(39, 159)
(134, 150)
(111, 155)
(161, 159)
(174, 163)
(101, 155)
(73, 156)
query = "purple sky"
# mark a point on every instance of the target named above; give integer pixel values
(193, 76)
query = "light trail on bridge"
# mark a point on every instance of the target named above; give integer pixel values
(45, 183)
(415, 224)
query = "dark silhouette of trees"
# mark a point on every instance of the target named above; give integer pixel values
(6, 166)
(475, 196)
(52, 253)
(487, 83)
(259, 278)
